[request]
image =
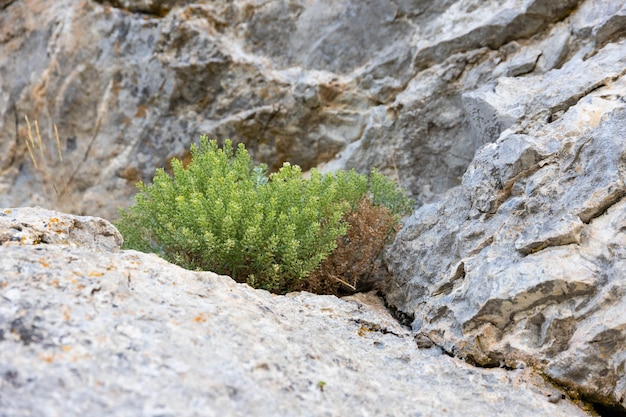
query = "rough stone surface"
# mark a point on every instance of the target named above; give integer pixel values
(405, 86)
(86, 332)
(504, 118)
(31, 226)
(524, 263)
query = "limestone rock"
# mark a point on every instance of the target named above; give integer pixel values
(524, 262)
(158, 8)
(33, 226)
(401, 85)
(86, 332)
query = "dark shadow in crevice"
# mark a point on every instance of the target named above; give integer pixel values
(403, 318)
(605, 410)
(158, 10)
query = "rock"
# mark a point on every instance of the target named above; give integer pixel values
(126, 333)
(132, 83)
(158, 8)
(34, 226)
(545, 96)
(504, 119)
(524, 262)
(5, 3)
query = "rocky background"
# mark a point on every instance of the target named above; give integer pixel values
(506, 121)
(413, 87)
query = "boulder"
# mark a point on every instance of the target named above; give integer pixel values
(90, 330)
(523, 264)
(34, 225)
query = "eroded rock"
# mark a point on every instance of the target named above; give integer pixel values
(34, 226)
(126, 333)
(523, 263)
(337, 84)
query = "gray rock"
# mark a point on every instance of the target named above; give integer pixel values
(524, 262)
(34, 226)
(546, 97)
(125, 333)
(131, 84)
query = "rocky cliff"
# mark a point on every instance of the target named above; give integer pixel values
(410, 87)
(524, 263)
(504, 119)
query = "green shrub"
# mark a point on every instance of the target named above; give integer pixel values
(222, 213)
(386, 193)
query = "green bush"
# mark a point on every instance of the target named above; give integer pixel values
(386, 193)
(221, 213)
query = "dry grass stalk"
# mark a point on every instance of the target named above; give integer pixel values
(34, 143)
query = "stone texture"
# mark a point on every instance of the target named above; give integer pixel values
(86, 332)
(31, 226)
(131, 84)
(524, 262)
(541, 97)
(505, 119)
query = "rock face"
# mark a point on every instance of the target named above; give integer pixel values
(88, 330)
(505, 119)
(32, 226)
(410, 87)
(525, 262)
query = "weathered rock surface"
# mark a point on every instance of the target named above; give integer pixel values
(517, 257)
(412, 88)
(525, 262)
(97, 332)
(32, 226)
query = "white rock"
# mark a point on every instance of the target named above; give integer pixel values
(174, 342)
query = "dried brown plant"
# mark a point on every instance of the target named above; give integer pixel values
(354, 262)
